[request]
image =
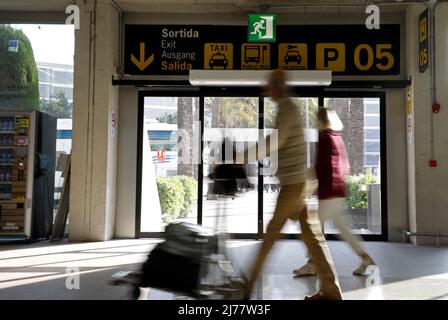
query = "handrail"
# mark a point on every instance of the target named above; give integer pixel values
(407, 234)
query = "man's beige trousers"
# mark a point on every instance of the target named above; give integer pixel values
(291, 205)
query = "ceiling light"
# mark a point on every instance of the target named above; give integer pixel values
(258, 77)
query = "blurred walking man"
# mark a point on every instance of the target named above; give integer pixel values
(290, 204)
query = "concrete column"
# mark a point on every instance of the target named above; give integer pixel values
(397, 197)
(427, 199)
(127, 163)
(94, 153)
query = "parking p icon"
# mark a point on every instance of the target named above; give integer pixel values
(330, 56)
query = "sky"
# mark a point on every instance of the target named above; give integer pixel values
(50, 42)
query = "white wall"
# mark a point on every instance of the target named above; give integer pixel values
(441, 119)
(428, 200)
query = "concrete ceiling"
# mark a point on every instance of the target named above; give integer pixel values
(245, 6)
(217, 6)
(34, 5)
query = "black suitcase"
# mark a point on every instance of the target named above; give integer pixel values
(174, 264)
(167, 271)
(189, 240)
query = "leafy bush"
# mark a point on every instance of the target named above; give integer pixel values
(171, 197)
(19, 88)
(190, 186)
(357, 198)
(177, 196)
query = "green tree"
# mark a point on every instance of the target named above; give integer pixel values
(58, 106)
(302, 104)
(239, 113)
(312, 105)
(19, 87)
(170, 118)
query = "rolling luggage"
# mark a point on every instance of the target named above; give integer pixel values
(175, 264)
(189, 240)
(192, 260)
(167, 271)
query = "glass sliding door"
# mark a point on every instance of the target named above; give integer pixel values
(235, 118)
(176, 161)
(271, 187)
(169, 168)
(361, 119)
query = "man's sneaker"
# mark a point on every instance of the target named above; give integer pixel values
(323, 296)
(306, 270)
(361, 270)
(126, 277)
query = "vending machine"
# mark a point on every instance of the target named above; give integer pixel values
(27, 165)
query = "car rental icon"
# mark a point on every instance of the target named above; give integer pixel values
(218, 60)
(292, 55)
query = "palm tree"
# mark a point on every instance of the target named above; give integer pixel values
(357, 135)
(351, 113)
(185, 121)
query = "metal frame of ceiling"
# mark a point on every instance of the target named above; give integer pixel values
(244, 6)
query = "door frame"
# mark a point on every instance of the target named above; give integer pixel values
(201, 93)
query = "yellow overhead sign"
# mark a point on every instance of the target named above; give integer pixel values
(141, 62)
(423, 41)
(255, 56)
(347, 50)
(330, 56)
(218, 56)
(293, 56)
(423, 29)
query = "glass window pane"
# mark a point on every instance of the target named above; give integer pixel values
(235, 118)
(373, 134)
(169, 173)
(372, 146)
(372, 121)
(371, 106)
(271, 188)
(372, 160)
(363, 203)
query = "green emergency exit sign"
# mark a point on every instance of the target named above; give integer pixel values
(261, 28)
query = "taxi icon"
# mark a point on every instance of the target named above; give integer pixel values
(218, 60)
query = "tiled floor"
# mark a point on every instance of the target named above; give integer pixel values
(40, 270)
